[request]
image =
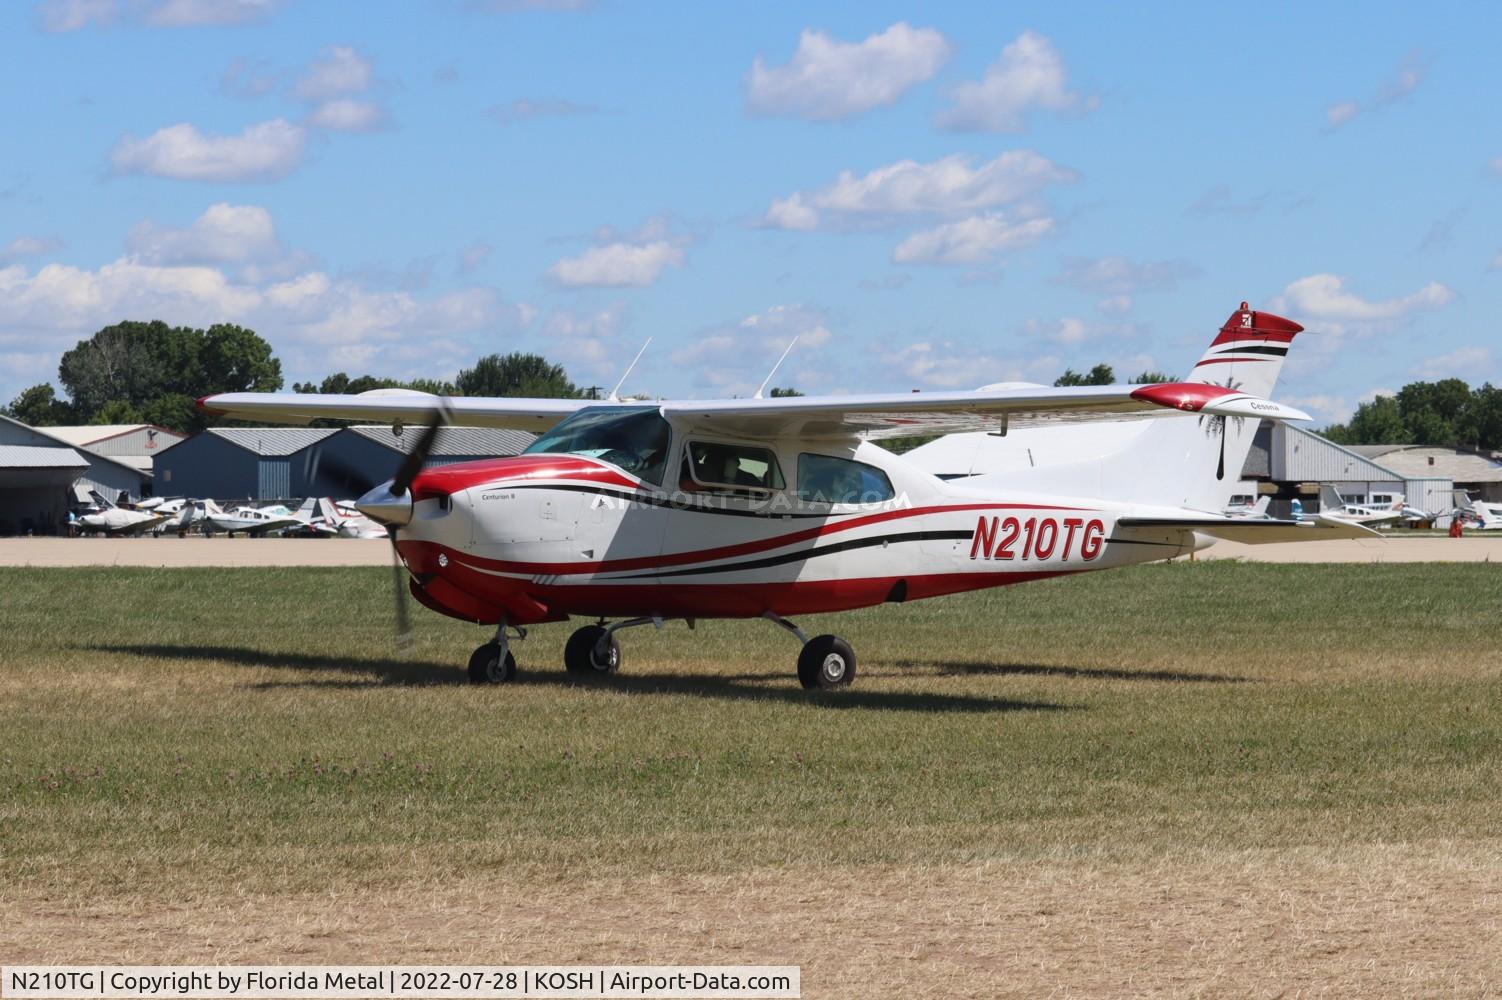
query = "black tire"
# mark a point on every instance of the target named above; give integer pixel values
(579, 652)
(827, 662)
(486, 667)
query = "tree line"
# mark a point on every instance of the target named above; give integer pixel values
(1448, 412)
(151, 373)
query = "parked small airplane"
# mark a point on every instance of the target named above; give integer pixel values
(1333, 507)
(110, 519)
(1475, 513)
(771, 508)
(253, 521)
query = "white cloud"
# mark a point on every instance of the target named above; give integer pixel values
(588, 339)
(346, 114)
(338, 72)
(734, 358)
(224, 233)
(1028, 75)
(1496, 264)
(316, 323)
(947, 364)
(970, 241)
(1463, 362)
(1114, 305)
(617, 264)
(1121, 276)
(190, 13)
(624, 258)
(1325, 297)
(263, 152)
(1404, 82)
(947, 187)
(332, 85)
(1496, 165)
(791, 213)
(23, 247)
(71, 15)
(828, 79)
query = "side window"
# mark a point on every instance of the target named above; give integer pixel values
(826, 479)
(730, 466)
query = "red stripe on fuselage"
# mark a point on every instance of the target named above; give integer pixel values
(444, 480)
(663, 560)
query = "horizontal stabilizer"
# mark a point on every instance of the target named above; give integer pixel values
(1256, 532)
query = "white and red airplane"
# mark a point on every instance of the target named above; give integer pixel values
(632, 514)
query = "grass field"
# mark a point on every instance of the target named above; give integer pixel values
(1197, 779)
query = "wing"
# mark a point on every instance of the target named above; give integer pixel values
(1255, 532)
(898, 414)
(385, 406)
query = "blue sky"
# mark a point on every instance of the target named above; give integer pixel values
(929, 196)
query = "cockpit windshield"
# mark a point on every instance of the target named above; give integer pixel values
(635, 438)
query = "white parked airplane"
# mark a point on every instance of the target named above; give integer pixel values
(253, 521)
(1475, 513)
(745, 508)
(114, 520)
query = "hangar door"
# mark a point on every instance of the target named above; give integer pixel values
(274, 481)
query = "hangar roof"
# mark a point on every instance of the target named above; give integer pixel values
(272, 442)
(93, 456)
(1460, 464)
(21, 456)
(452, 442)
(95, 433)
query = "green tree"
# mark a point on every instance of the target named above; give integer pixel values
(1152, 378)
(1432, 410)
(1480, 424)
(1101, 374)
(40, 407)
(117, 411)
(151, 368)
(1376, 422)
(516, 374)
(787, 393)
(234, 359)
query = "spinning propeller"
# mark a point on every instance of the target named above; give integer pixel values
(391, 505)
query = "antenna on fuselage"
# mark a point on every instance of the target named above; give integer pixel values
(614, 396)
(768, 379)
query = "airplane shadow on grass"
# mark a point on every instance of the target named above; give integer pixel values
(356, 672)
(946, 668)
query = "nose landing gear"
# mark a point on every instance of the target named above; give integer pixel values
(493, 662)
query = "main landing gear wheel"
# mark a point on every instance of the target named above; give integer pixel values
(826, 662)
(488, 665)
(583, 653)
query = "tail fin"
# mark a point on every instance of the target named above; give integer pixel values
(1329, 498)
(1247, 354)
(1259, 509)
(1461, 499)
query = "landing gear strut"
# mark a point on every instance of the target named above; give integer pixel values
(493, 663)
(826, 662)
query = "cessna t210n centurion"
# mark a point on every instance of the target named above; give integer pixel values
(636, 513)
